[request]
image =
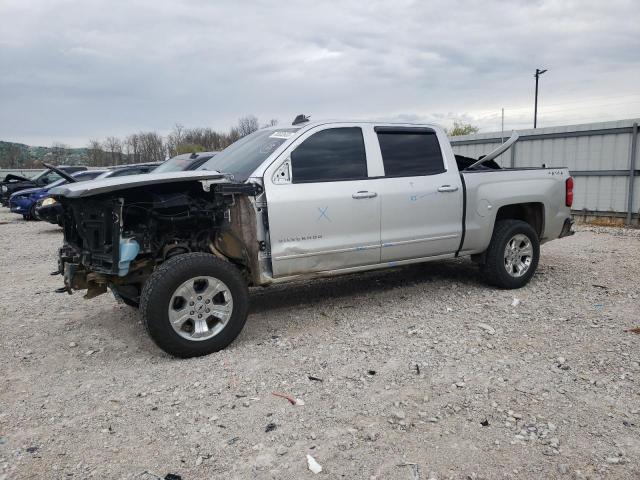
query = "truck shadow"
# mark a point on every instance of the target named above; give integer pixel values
(317, 291)
(121, 324)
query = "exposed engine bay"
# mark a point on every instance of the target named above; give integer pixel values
(116, 239)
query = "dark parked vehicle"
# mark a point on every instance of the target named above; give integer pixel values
(13, 183)
(185, 162)
(25, 202)
(46, 208)
(131, 169)
(39, 209)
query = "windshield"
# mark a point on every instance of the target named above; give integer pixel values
(241, 158)
(179, 163)
(46, 177)
(80, 177)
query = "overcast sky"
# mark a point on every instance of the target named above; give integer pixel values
(71, 70)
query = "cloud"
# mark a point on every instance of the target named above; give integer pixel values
(79, 69)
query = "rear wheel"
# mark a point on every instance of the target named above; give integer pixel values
(513, 254)
(194, 304)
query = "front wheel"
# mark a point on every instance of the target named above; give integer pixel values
(194, 304)
(32, 213)
(513, 254)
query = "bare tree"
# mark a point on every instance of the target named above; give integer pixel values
(95, 153)
(206, 137)
(233, 135)
(247, 125)
(152, 147)
(271, 123)
(132, 148)
(113, 149)
(13, 155)
(175, 139)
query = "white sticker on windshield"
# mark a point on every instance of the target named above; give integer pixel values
(282, 134)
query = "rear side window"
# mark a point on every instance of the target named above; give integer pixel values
(333, 154)
(409, 152)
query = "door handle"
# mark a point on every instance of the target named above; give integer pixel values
(364, 194)
(448, 188)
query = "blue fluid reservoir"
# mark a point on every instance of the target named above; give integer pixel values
(129, 250)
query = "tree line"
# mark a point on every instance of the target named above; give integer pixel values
(139, 147)
(151, 147)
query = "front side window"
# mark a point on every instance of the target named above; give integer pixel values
(409, 152)
(334, 154)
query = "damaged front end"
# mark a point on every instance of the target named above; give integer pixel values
(115, 237)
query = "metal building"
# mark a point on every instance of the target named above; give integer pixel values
(602, 158)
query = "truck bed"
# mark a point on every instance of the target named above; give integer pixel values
(487, 191)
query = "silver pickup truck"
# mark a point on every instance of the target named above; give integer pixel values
(310, 199)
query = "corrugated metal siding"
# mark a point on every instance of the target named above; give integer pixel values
(602, 194)
(588, 152)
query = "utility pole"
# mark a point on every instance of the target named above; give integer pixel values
(502, 129)
(535, 108)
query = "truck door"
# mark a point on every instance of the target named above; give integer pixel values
(323, 213)
(421, 195)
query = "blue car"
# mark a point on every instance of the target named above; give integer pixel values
(24, 201)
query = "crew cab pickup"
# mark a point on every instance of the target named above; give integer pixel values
(310, 199)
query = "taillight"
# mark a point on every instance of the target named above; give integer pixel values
(569, 196)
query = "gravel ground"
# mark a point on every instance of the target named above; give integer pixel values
(424, 372)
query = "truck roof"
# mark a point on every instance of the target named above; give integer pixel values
(314, 123)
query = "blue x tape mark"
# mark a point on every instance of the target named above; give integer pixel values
(323, 214)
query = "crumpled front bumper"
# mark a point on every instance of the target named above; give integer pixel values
(20, 205)
(71, 269)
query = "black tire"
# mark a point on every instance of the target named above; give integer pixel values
(130, 303)
(494, 269)
(32, 213)
(128, 294)
(160, 287)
